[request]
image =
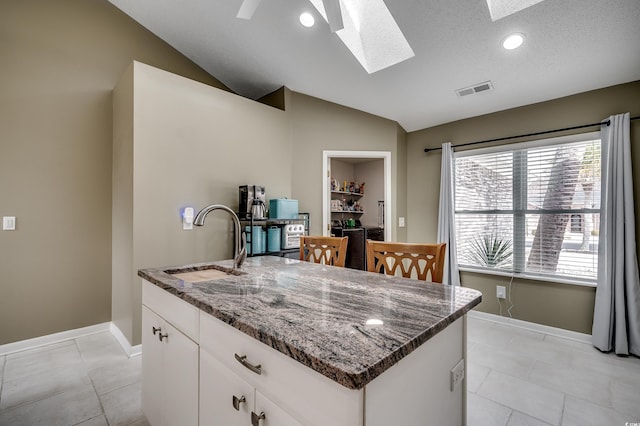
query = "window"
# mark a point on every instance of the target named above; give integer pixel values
(530, 208)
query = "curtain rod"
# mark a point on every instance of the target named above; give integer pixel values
(529, 134)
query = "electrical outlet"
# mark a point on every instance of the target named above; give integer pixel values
(457, 374)
(501, 292)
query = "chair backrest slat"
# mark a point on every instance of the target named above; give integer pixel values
(409, 259)
(327, 250)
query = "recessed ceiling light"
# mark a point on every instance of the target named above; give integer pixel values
(307, 19)
(513, 41)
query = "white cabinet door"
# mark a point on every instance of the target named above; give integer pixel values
(152, 394)
(221, 391)
(169, 373)
(180, 368)
(219, 387)
(273, 415)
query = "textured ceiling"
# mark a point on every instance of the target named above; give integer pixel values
(571, 46)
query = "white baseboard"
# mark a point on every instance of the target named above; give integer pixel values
(131, 351)
(531, 326)
(62, 336)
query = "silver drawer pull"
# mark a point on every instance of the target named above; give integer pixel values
(243, 360)
(237, 401)
(255, 418)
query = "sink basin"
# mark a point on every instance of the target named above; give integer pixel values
(209, 273)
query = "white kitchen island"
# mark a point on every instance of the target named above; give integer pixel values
(283, 342)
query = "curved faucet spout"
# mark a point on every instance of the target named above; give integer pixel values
(240, 246)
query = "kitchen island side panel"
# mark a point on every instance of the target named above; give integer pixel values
(417, 390)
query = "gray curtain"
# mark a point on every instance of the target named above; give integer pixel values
(446, 217)
(616, 319)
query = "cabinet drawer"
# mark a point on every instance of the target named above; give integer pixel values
(180, 314)
(300, 391)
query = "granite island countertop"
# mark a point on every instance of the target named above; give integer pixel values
(346, 324)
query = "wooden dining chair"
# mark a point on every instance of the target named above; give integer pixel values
(410, 259)
(327, 250)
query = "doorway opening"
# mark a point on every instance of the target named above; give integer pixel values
(370, 205)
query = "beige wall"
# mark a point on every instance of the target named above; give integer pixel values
(189, 145)
(402, 188)
(122, 206)
(193, 145)
(372, 174)
(60, 61)
(317, 126)
(342, 171)
(559, 305)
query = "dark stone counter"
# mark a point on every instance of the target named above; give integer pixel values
(346, 324)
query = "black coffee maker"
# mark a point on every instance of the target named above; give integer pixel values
(252, 201)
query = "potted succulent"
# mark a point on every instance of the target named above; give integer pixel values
(491, 251)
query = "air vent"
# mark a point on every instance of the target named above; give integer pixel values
(480, 87)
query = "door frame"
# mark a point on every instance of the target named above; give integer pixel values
(326, 187)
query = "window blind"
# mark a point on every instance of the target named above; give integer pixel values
(530, 208)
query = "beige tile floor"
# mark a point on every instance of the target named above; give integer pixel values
(87, 381)
(520, 377)
(516, 377)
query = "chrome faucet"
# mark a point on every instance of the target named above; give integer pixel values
(240, 248)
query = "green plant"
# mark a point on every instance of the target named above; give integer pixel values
(491, 251)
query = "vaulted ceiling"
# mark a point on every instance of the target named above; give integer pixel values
(571, 46)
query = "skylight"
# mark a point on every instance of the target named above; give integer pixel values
(370, 33)
(501, 8)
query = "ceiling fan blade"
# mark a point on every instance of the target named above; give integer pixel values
(334, 14)
(247, 8)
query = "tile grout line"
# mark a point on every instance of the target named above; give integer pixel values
(510, 416)
(564, 407)
(14, 407)
(565, 395)
(91, 418)
(526, 380)
(578, 397)
(103, 413)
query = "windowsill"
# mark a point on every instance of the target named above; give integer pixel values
(553, 280)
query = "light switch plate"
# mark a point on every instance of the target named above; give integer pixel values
(8, 223)
(401, 222)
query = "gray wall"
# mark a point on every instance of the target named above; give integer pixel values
(317, 126)
(60, 62)
(187, 144)
(183, 144)
(372, 174)
(369, 172)
(559, 305)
